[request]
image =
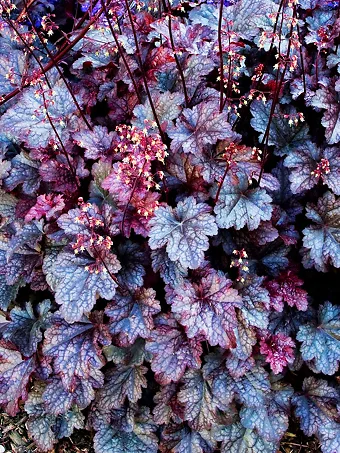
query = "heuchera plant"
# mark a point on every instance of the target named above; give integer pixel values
(170, 222)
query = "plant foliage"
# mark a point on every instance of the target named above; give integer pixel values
(170, 222)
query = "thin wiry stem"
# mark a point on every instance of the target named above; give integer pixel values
(272, 42)
(29, 50)
(229, 85)
(265, 139)
(141, 68)
(74, 175)
(221, 54)
(61, 54)
(301, 61)
(23, 12)
(60, 72)
(221, 183)
(179, 67)
(129, 200)
(48, 116)
(121, 52)
(268, 55)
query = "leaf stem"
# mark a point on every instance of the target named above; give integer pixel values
(278, 87)
(268, 54)
(301, 60)
(121, 52)
(30, 51)
(219, 32)
(74, 174)
(129, 201)
(221, 183)
(140, 64)
(179, 67)
(60, 140)
(60, 72)
(57, 57)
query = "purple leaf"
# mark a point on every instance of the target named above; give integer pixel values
(26, 239)
(131, 314)
(26, 119)
(274, 259)
(14, 376)
(182, 439)
(222, 384)
(7, 207)
(167, 106)
(278, 350)
(327, 98)
(24, 171)
(321, 239)
(75, 351)
(308, 164)
(45, 429)
(68, 422)
(46, 205)
(316, 405)
(200, 126)
(58, 400)
(172, 352)
(255, 302)
(322, 19)
(245, 339)
(133, 259)
(239, 206)
(254, 387)
(97, 143)
(236, 439)
(24, 329)
(286, 288)
(132, 355)
(238, 367)
(62, 174)
(171, 272)
(78, 288)
(185, 176)
(270, 419)
(184, 230)
(207, 308)
(7, 292)
(12, 66)
(121, 383)
(320, 341)
(289, 322)
(330, 437)
(167, 406)
(126, 431)
(282, 136)
(198, 400)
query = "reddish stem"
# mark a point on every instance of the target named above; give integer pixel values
(60, 72)
(179, 67)
(221, 183)
(121, 52)
(30, 51)
(73, 172)
(129, 201)
(265, 139)
(57, 57)
(221, 54)
(141, 68)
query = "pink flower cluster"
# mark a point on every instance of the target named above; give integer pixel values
(133, 177)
